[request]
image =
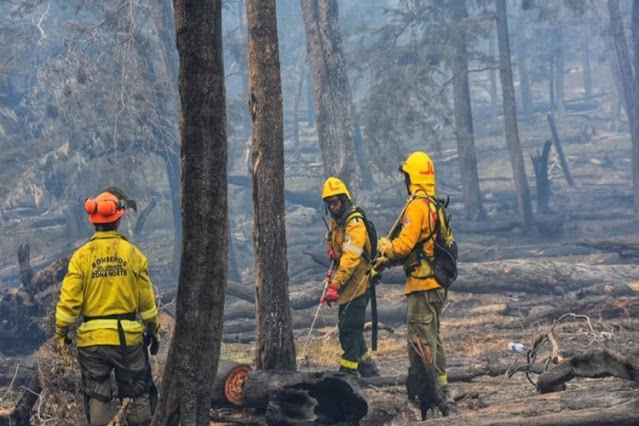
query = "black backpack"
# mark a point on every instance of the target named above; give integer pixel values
(444, 261)
(370, 230)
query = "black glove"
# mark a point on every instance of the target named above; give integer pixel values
(152, 337)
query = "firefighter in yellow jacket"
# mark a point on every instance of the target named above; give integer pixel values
(412, 247)
(107, 286)
(349, 246)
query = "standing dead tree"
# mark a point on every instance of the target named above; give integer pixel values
(275, 347)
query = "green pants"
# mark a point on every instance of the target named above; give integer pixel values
(97, 363)
(351, 331)
(424, 309)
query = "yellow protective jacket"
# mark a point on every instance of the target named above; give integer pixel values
(418, 224)
(349, 241)
(107, 276)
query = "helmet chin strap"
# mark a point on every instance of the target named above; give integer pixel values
(407, 182)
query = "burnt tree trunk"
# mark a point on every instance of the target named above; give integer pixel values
(188, 375)
(595, 364)
(464, 134)
(629, 80)
(540, 165)
(510, 120)
(289, 397)
(331, 89)
(275, 347)
(560, 149)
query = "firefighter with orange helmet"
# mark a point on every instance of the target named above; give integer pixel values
(107, 286)
(349, 246)
(414, 244)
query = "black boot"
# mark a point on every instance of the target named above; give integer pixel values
(368, 368)
(348, 371)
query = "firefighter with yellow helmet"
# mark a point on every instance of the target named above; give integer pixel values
(107, 286)
(349, 246)
(413, 245)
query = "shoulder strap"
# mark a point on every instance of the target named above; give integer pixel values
(357, 213)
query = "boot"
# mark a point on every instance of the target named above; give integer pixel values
(348, 371)
(368, 368)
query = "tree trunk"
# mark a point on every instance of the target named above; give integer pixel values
(510, 120)
(560, 150)
(540, 165)
(492, 74)
(170, 154)
(559, 75)
(275, 347)
(464, 135)
(629, 81)
(331, 89)
(585, 61)
(188, 374)
(290, 397)
(524, 76)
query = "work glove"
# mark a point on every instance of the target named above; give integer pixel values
(62, 339)
(152, 337)
(331, 295)
(331, 253)
(382, 245)
(380, 263)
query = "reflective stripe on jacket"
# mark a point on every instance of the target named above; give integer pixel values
(107, 276)
(420, 218)
(349, 242)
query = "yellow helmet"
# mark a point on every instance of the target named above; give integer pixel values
(419, 168)
(334, 186)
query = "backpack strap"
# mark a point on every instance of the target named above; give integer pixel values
(356, 213)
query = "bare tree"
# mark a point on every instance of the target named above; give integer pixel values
(331, 89)
(275, 347)
(629, 81)
(510, 119)
(473, 208)
(189, 374)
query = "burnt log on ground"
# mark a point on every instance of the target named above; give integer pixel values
(289, 397)
(303, 319)
(596, 363)
(610, 403)
(540, 277)
(21, 413)
(626, 247)
(604, 307)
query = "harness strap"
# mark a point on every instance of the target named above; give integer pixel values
(130, 316)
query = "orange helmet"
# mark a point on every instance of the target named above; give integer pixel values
(105, 208)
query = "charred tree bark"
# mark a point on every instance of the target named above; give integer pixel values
(627, 247)
(540, 165)
(595, 364)
(188, 375)
(275, 347)
(629, 80)
(24, 262)
(331, 89)
(464, 134)
(510, 120)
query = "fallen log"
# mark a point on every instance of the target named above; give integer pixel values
(540, 277)
(594, 364)
(626, 247)
(289, 397)
(21, 413)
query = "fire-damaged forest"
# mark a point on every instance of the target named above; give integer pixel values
(223, 119)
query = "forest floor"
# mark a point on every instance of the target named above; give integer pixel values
(476, 327)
